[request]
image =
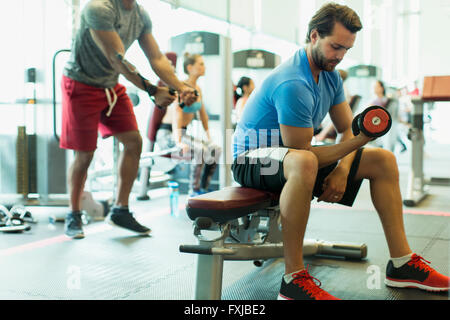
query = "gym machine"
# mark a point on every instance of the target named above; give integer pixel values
(435, 89)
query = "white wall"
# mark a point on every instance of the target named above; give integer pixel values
(405, 45)
(434, 44)
(406, 38)
(31, 31)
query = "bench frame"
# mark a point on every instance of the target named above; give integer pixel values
(256, 236)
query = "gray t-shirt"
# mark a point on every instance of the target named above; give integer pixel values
(87, 63)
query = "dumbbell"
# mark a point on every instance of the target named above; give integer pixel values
(171, 91)
(182, 104)
(374, 122)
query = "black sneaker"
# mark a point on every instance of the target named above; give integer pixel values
(73, 225)
(123, 218)
(416, 273)
(303, 287)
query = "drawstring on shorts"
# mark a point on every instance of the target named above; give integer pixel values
(111, 102)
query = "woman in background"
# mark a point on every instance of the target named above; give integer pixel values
(204, 153)
(244, 88)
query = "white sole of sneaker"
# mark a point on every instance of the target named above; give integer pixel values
(281, 297)
(411, 284)
(110, 222)
(78, 236)
(97, 218)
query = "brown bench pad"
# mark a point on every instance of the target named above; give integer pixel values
(229, 203)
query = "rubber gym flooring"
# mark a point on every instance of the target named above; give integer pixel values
(112, 263)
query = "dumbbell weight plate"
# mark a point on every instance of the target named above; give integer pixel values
(355, 127)
(375, 121)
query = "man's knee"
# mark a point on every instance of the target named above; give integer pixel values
(132, 142)
(83, 159)
(383, 163)
(388, 162)
(302, 165)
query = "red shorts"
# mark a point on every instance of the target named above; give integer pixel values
(84, 109)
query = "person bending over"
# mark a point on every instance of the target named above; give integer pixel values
(203, 154)
(93, 100)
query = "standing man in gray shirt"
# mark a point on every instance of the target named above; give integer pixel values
(93, 100)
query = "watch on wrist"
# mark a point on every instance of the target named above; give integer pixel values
(151, 89)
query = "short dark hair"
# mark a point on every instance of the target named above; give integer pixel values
(327, 16)
(243, 81)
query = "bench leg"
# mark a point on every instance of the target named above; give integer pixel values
(208, 280)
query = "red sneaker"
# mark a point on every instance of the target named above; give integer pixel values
(303, 287)
(416, 273)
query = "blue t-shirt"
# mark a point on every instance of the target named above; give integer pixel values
(290, 96)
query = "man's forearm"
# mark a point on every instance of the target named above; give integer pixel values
(137, 80)
(346, 162)
(327, 155)
(129, 71)
(164, 71)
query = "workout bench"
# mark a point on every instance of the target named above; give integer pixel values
(247, 226)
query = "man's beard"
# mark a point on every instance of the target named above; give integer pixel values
(321, 62)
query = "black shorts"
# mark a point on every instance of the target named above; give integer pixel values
(265, 171)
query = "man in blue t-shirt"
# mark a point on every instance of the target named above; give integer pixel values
(273, 151)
